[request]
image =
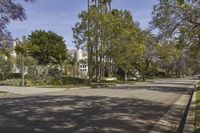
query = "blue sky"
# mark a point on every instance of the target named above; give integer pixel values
(61, 15)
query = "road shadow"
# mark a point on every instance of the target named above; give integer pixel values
(76, 114)
(155, 87)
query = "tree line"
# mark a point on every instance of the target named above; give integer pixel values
(114, 41)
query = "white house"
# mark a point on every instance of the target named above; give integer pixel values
(81, 58)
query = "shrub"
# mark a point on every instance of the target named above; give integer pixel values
(14, 76)
(73, 80)
(36, 72)
(11, 82)
(5, 68)
(54, 72)
(55, 82)
(27, 83)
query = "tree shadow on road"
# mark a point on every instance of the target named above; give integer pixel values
(154, 87)
(76, 114)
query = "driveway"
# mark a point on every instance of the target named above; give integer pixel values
(124, 109)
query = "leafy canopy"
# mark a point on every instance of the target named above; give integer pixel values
(52, 47)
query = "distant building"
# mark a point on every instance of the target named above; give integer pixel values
(81, 61)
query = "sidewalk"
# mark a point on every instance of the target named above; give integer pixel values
(28, 90)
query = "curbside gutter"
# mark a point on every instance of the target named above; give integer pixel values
(174, 120)
(190, 118)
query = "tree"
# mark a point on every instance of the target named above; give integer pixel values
(145, 62)
(6, 49)
(52, 47)
(9, 10)
(89, 35)
(126, 41)
(5, 68)
(111, 37)
(172, 60)
(23, 48)
(73, 61)
(178, 20)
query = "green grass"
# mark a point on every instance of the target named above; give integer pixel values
(62, 86)
(197, 111)
(11, 82)
(2, 92)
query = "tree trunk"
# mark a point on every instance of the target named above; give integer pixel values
(74, 71)
(89, 50)
(109, 68)
(22, 69)
(144, 76)
(98, 71)
(125, 76)
(103, 66)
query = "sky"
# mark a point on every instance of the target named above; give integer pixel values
(60, 16)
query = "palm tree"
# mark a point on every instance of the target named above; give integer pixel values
(22, 48)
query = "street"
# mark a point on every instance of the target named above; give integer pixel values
(123, 109)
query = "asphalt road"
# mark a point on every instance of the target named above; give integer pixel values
(125, 109)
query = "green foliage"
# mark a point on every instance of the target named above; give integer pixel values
(178, 20)
(52, 47)
(37, 72)
(110, 38)
(72, 80)
(11, 82)
(54, 71)
(145, 61)
(5, 50)
(197, 111)
(23, 48)
(5, 68)
(58, 81)
(14, 76)
(28, 61)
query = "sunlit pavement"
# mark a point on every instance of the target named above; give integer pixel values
(28, 90)
(125, 109)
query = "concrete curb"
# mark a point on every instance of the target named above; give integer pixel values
(172, 120)
(190, 120)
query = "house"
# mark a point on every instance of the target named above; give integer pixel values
(81, 62)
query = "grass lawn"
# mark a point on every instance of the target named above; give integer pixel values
(2, 92)
(61, 86)
(197, 111)
(11, 82)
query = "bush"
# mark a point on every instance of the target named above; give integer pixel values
(36, 72)
(5, 68)
(14, 76)
(37, 83)
(55, 82)
(73, 80)
(27, 83)
(54, 72)
(11, 82)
